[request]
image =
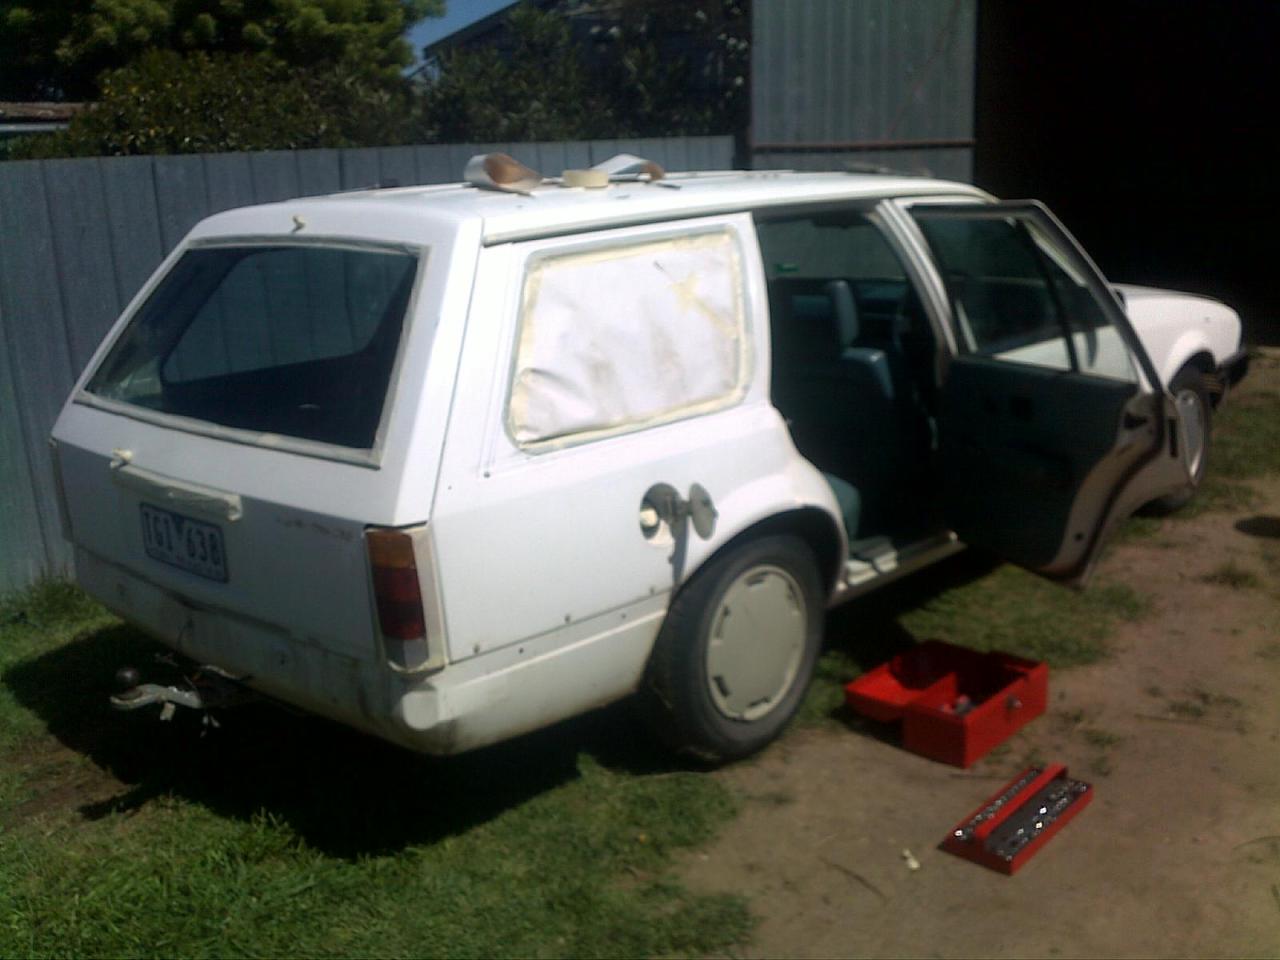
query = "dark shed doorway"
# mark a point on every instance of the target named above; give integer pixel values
(1149, 127)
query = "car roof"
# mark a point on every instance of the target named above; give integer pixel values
(551, 209)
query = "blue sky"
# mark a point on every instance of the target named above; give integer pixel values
(458, 13)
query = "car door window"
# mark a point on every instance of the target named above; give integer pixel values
(1017, 296)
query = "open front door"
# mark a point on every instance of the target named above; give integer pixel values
(1053, 425)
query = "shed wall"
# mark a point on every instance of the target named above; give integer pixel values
(847, 83)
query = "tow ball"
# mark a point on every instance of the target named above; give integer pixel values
(207, 688)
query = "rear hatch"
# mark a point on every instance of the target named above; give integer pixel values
(229, 445)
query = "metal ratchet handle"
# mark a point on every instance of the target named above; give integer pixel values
(995, 806)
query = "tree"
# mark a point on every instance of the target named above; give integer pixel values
(56, 49)
(678, 68)
(537, 89)
(633, 68)
(167, 103)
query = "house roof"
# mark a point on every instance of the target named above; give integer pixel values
(35, 116)
(38, 111)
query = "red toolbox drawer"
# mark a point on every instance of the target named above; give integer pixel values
(955, 703)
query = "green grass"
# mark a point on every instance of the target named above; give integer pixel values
(1100, 739)
(1199, 703)
(1187, 709)
(1140, 529)
(1019, 613)
(1245, 445)
(1233, 576)
(968, 601)
(1246, 431)
(285, 835)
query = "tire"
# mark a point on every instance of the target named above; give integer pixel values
(1192, 399)
(737, 650)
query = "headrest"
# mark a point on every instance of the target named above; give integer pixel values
(845, 308)
(810, 317)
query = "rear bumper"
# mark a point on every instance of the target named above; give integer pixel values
(470, 704)
(285, 667)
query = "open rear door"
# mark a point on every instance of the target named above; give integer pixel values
(1053, 425)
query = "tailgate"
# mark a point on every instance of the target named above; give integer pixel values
(259, 533)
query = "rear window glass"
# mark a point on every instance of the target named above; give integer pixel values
(292, 340)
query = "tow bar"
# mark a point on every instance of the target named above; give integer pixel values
(208, 688)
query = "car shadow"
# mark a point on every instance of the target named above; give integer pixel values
(348, 794)
(867, 628)
(345, 793)
(1260, 526)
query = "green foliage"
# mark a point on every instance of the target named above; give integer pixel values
(200, 103)
(184, 76)
(676, 69)
(58, 48)
(30, 31)
(662, 70)
(538, 90)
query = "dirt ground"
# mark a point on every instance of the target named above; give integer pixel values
(1178, 730)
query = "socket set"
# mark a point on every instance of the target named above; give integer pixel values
(1007, 830)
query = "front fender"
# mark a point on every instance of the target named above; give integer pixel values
(1188, 345)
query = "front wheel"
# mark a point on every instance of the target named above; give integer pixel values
(1195, 413)
(737, 650)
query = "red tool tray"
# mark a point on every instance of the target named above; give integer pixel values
(955, 704)
(1006, 831)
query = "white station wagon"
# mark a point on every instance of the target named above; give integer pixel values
(448, 464)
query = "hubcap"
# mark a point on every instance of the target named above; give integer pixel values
(1191, 414)
(757, 642)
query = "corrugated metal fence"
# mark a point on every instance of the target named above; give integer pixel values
(842, 83)
(79, 237)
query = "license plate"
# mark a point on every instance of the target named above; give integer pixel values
(181, 542)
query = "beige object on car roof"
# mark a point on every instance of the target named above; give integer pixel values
(590, 179)
(498, 171)
(629, 165)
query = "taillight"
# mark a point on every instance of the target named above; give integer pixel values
(398, 597)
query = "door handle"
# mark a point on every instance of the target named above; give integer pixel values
(192, 497)
(1132, 421)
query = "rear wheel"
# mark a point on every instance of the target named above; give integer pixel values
(1191, 397)
(737, 650)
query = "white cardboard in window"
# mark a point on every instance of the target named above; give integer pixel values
(629, 336)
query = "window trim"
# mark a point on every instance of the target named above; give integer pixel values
(370, 457)
(1053, 229)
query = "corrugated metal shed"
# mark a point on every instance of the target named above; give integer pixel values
(863, 82)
